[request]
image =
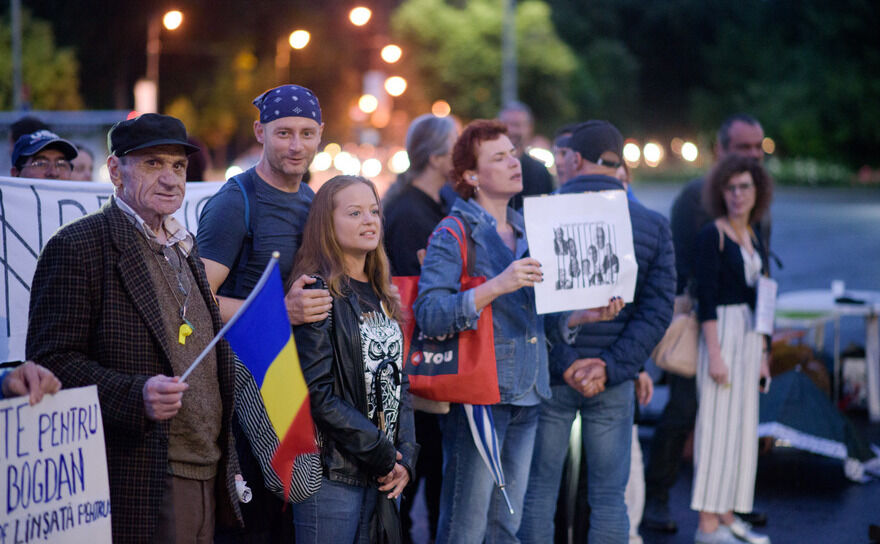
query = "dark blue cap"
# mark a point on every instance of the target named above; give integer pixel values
(31, 144)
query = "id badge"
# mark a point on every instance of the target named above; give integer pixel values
(765, 308)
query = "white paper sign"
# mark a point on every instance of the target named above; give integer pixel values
(53, 470)
(585, 245)
(30, 212)
(765, 307)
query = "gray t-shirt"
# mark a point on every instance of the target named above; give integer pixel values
(277, 224)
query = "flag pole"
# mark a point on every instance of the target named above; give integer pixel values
(247, 302)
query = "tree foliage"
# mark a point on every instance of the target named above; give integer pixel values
(50, 75)
(456, 51)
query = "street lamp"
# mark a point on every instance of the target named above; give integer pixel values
(298, 39)
(391, 53)
(360, 16)
(395, 85)
(149, 91)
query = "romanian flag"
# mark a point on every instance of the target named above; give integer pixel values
(261, 336)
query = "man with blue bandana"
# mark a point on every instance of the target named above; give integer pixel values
(235, 243)
(254, 214)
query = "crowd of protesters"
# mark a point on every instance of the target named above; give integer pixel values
(125, 298)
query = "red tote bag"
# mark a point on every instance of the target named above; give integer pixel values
(458, 367)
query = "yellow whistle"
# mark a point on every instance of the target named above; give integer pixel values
(184, 331)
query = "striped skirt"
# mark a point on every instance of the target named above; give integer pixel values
(726, 434)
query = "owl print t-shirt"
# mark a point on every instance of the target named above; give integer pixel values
(382, 347)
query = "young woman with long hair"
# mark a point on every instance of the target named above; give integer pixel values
(352, 363)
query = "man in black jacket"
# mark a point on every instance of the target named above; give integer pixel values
(593, 367)
(740, 134)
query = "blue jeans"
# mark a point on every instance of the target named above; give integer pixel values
(338, 513)
(606, 421)
(472, 508)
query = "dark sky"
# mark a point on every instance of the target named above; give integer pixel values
(110, 37)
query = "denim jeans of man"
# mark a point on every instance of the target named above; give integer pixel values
(338, 512)
(667, 445)
(606, 427)
(472, 509)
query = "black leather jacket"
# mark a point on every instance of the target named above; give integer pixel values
(354, 451)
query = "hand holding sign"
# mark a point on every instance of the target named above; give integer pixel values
(30, 379)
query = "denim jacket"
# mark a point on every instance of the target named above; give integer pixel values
(520, 344)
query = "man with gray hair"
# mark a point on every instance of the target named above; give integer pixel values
(520, 129)
(120, 300)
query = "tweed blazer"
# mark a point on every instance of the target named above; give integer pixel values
(95, 319)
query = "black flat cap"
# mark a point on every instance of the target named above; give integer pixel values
(147, 130)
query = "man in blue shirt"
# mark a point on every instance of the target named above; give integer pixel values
(264, 209)
(254, 214)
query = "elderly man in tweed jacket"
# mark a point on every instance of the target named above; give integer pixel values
(120, 299)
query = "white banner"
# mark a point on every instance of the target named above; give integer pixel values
(53, 470)
(585, 245)
(30, 212)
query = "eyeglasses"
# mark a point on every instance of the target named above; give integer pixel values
(43, 164)
(734, 188)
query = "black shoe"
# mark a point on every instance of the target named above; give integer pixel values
(656, 517)
(753, 518)
(661, 526)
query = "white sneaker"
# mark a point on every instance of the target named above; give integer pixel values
(721, 535)
(743, 531)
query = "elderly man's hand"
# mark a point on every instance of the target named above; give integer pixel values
(163, 397)
(30, 379)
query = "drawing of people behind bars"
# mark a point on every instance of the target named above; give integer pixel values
(585, 255)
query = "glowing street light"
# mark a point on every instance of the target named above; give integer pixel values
(653, 154)
(172, 19)
(368, 103)
(441, 108)
(689, 151)
(322, 162)
(391, 53)
(395, 85)
(631, 152)
(360, 16)
(371, 168)
(399, 162)
(299, 39)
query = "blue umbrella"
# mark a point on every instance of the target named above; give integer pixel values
(798, 414)
(483, 432)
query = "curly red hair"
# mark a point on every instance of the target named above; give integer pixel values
(464, 152)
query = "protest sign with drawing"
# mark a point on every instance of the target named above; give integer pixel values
(585, 245)
(53, 470)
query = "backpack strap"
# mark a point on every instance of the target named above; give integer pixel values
(249, 193)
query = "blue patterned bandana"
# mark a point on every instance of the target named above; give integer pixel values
(288, 101)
